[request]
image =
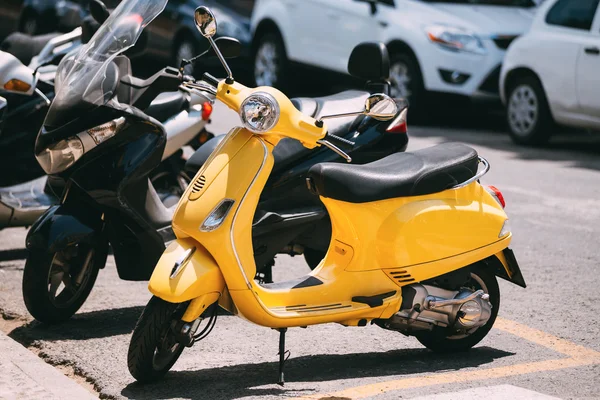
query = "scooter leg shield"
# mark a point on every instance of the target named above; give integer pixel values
(58, 228)
(187, 271)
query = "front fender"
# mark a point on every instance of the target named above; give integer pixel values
(59, 228)
(198, 276)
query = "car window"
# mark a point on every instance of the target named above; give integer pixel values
(577, 14)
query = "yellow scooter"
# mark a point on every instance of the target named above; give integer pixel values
(416, 247)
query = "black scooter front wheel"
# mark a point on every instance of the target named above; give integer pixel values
(154, 347)
(55, 285)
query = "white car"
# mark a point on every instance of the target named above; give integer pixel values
(552, 74)
(451, 46)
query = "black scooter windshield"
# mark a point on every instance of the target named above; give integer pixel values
(89, 78)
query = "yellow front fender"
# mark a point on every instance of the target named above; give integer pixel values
(187, 271)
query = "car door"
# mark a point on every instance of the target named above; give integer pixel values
(588, 71)
(348, 23)
(569, 25)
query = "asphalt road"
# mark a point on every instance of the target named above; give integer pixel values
(546, 340)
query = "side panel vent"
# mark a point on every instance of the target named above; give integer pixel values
(198, 184)
(400, 276)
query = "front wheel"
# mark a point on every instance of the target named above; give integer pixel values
(55, 285)
(154, 347)
(444, 340)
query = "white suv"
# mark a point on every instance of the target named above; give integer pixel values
(451, 46)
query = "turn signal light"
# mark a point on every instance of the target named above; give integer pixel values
(398, 125)
(207, 110)
(493, 190)
(15, 85)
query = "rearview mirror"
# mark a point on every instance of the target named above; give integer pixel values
(16, 77)
(205, 22)
(381, 107)
(229, 47)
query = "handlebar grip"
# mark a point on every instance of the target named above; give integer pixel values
(210, 79)
(339, 141)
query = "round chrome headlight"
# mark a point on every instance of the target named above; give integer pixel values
(259, 112)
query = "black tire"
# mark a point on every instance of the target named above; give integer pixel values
(40, 269)
(530, 127)
(313, 257)
(270, 41)
(412, 88)
(150, 332)
(440, 339)
(185, 48)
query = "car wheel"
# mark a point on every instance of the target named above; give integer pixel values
(29, 24)
(270, 62)
(406, 81)
(185, 49)
(527, 113)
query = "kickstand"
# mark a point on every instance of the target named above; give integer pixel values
(283, 355)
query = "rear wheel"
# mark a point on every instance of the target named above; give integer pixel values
(527, 113)
(445, 340)
(154, 347)
(55, 285)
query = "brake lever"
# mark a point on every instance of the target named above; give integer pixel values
(336, 149)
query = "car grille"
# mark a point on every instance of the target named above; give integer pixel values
(504, 41)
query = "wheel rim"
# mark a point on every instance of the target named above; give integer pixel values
(69, 275)
(266, 64)
(185, 51)
(168, 346)
(400, 79)
(30, 26)
(523, 110)
(476, 283)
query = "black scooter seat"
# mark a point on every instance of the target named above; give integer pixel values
(167, 105)
(416, 173)
(289, 150)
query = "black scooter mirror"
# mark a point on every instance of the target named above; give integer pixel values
(99, 11)
(229, 47)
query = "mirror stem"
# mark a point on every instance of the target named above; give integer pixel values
(222, 59)
(43, 96)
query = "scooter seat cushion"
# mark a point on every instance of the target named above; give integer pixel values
(166, 105)
(416, 173)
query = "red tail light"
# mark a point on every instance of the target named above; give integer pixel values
(207, 110)
(493, 190)
(398, 125)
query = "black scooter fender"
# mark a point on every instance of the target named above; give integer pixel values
(60, 227)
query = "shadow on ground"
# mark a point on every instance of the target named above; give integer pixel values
(249, 379)
(13, 255)
(82, 326)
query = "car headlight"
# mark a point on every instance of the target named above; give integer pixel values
(259, 112)
(59, 156)
(456, 39)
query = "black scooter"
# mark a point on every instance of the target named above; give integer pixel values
(98, 149)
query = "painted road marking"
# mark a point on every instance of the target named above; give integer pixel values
(497, 392)
(577, 356)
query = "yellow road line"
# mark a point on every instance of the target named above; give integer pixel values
(578, 356)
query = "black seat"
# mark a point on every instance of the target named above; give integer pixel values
(417, 173)
(167, 105)
(289, 150)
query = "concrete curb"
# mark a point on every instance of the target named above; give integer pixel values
(23, 375)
